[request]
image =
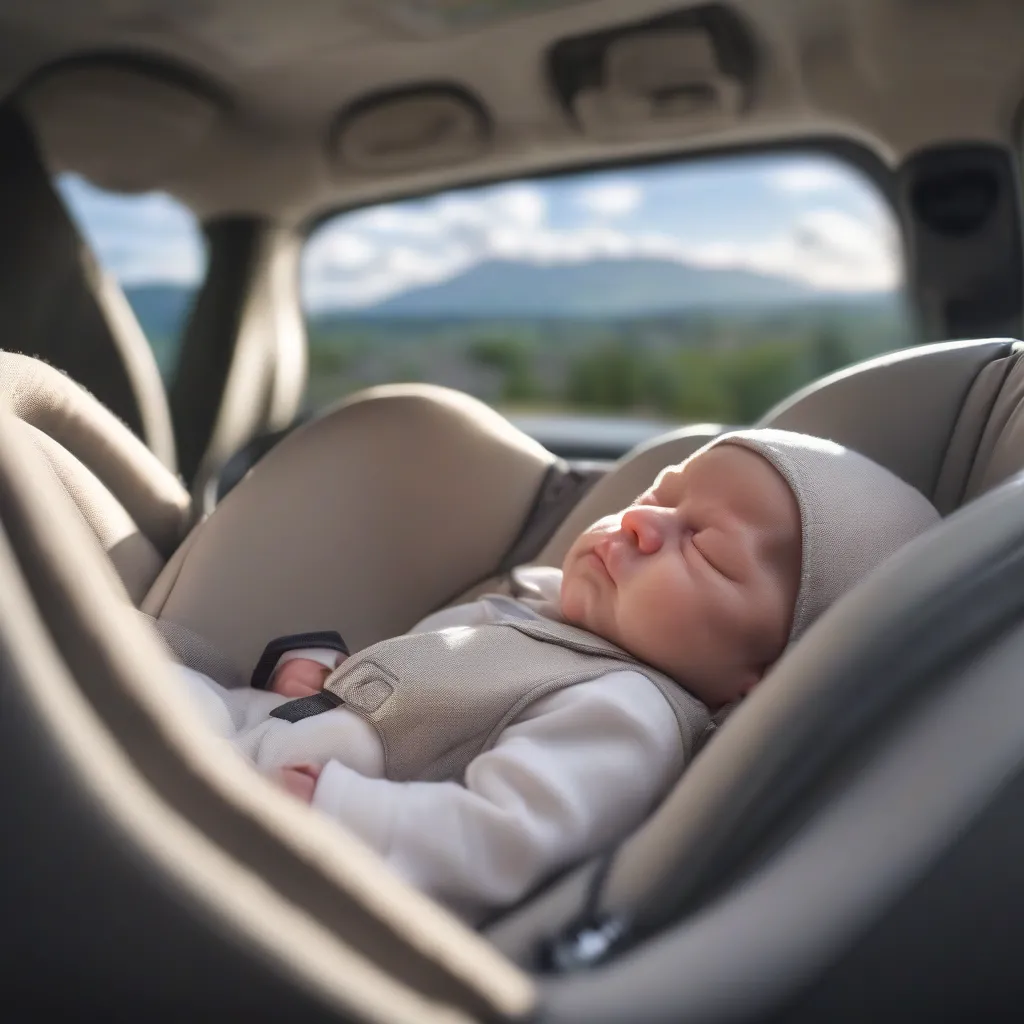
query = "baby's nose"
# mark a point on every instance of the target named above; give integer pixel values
(645, 525)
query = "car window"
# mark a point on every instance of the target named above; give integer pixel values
(613, 304)
(153, 246)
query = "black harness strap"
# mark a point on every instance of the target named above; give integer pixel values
(306, 707)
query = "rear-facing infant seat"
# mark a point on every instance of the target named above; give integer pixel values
(325, 534)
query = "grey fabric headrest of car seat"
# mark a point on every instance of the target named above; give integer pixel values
(854, 513)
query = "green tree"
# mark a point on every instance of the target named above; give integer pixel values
(828, 353)
(610, 377)
(758, 376)
(513, 359)
(697, 386)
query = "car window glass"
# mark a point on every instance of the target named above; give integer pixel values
(153, 246)
(599, 308)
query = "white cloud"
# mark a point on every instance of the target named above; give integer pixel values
(140, 239)
(809, 177)
(826, 249)
(520, 204)
(367, 257)
(612, 199)
(343, 251)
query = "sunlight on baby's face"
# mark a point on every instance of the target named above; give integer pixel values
(698, 577)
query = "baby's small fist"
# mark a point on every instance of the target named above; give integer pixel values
(300, 677)
(300, 780)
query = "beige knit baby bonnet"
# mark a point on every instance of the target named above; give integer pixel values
(854, 513)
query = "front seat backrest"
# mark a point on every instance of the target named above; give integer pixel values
(60, 306)
(362, 520)
(134, 505)
(242, 369)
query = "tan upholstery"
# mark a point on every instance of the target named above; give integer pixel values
(135, 559)
(242, 366)
(135, 506)
(362, 520)
(1000, 450)
(900, 409)
(403, 497)
(207, 833)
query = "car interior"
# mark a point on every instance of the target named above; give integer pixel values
(848, 846)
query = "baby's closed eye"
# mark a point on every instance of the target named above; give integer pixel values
(715, 550)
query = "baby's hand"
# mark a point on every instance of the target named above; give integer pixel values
(300, 677)
(300, 780)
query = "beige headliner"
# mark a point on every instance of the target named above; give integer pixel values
(894, 74)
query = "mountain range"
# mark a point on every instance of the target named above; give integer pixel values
(502, 289)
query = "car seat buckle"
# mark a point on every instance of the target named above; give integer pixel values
(584, 945)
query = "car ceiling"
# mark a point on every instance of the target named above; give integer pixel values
(233, 105)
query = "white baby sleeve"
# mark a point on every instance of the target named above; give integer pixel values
(578, 770)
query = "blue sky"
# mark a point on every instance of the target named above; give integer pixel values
(808, 218)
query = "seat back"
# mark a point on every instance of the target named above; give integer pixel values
(943, 417)
(242, 368)
(133, 504)
(362, 520)
(60, 306)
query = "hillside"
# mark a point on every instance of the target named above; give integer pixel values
(606, 288)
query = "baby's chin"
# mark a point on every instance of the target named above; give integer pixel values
(571, 599)
(580, 605)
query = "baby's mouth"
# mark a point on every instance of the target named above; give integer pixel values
(602, 551)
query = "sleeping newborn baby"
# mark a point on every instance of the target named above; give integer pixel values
(501, 740)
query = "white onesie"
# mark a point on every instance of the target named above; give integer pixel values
(576, 771)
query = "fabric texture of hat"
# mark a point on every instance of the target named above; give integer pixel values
(854, 513)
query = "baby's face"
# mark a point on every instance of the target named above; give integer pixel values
(698, 577)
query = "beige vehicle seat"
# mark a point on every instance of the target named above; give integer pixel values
(60, 306)
(135, 506)
(407, 498)
(395, 502)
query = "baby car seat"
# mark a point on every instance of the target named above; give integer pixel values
(863, 803)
